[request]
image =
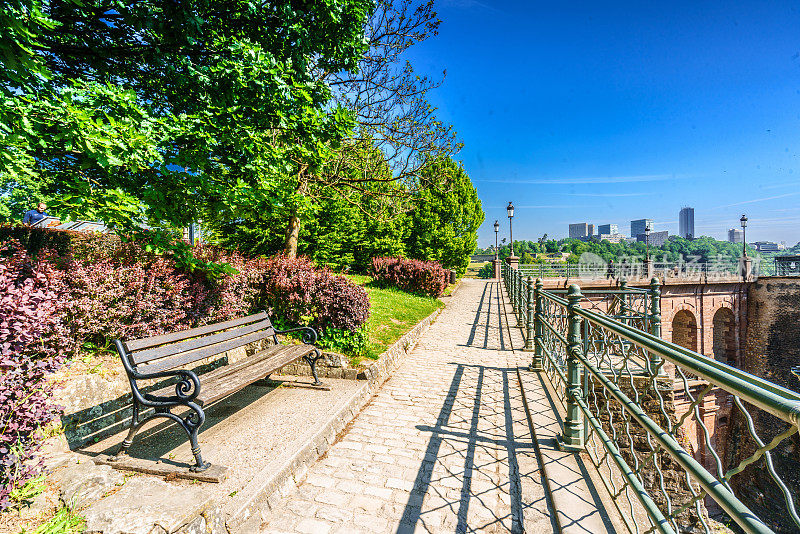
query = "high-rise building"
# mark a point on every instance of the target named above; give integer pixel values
(655, 239)
(579, 230)
(608, 229)
(734, 235)
(686, 223)
(640, 225)
(590, 230)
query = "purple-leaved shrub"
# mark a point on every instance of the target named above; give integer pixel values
(298, 292)
(415, 276)
(33, 341)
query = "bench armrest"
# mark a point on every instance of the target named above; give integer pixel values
(186, 389)
(309, 334)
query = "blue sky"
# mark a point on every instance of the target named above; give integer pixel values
(581, 112)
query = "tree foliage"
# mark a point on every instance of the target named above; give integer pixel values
(160, 111)
(446, 216)
(700, 249)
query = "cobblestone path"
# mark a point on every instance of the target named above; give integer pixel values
(444, 446)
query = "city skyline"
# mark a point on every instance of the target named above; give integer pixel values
(585, 230)
(615, 113)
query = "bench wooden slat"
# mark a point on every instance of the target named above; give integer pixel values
(180, 360)
(193, 344)
(229, 379)
(146, 343)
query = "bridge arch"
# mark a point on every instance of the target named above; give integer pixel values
(684, 329)
(724, 335)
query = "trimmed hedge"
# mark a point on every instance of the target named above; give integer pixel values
(61, 242)
(415, 276)
(300, 293)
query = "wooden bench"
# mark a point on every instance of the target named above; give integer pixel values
(167, 355)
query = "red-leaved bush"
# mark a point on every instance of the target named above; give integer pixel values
(132, 294)
(415, 276)
(33, 340)
(298, 292)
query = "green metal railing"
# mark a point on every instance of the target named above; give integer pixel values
(634, 403)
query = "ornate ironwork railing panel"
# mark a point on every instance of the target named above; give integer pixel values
(639, 406)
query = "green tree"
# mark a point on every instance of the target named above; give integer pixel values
(165, 112)
(446, 216)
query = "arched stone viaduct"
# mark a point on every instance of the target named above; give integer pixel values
(708, 318)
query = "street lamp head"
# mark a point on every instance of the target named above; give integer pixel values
(647, 230)
(496, 227)
(743, 220)
(510, 210)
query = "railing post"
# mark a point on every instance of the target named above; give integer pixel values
(655, 321)
(537, 363)
(529, 316)
(623, 301)
(521, 310)
(513, 291)
(572, 438)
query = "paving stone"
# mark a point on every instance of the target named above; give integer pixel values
(336, 498)
(313, 526)
(383, 493)
(333, 514)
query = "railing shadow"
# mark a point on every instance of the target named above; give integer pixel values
(479, 433)
(490, 300)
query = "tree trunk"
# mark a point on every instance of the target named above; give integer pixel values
(292, 233)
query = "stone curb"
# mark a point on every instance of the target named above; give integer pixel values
(264, 491)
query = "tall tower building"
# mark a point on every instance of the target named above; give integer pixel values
(578, 230)
(686, 223)
(639, 225)
(608, 229)
(734, 235)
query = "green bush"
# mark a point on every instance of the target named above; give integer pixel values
(486, 271)
(343, 341)
(81, 246)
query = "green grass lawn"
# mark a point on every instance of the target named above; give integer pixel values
(392, 313)
(473, 268)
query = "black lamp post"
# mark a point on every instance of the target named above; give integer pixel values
(510, 210)
(647, 242)
(496, 229)
(743, 220)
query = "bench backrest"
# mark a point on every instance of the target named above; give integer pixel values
(177, 349)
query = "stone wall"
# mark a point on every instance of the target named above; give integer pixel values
(772, 348)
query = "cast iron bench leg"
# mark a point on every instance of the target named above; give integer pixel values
(313, 363)
(128, 441)
(192, 424)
